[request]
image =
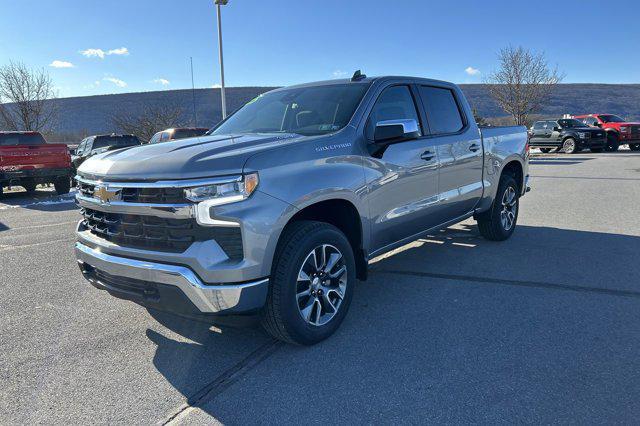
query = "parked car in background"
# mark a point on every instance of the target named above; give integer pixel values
(619, 131)
(98, 144)
(566, 134)
(27, 160)
(279, 208)
(178, 133)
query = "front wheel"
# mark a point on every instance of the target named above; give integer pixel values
(634, 146)
(612, 142)
(499, 222)
(311, 284)
(569, 146)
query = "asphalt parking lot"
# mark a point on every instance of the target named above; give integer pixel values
(542, 328)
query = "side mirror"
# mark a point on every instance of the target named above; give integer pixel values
(556, 128)
(390, 131)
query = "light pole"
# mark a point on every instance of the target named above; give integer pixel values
(219, 3)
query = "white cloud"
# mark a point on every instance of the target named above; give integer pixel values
(472, 71)
(121, 51)
(61, 64)
(216, 86)
(116, 81)
(92, 53)
(99, 53)
(339, 74)
(162, 81)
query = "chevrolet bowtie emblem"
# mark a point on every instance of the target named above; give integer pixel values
(106, 195)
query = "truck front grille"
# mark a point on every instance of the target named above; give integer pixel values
(142, 195)
(160, 234)
(635, 131)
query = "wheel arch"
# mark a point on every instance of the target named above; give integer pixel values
(342, 214)
(515, 169)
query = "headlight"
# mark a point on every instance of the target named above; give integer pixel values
(582, 135)
(217, 194)
(226, 192)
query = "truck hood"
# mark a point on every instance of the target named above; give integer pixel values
(192, 158)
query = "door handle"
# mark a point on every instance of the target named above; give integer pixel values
(474, 147)
(427, 155)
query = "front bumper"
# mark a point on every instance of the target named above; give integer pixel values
(167, 287)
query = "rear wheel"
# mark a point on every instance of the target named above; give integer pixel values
(612, 142)
(62, 185)
(545, 150)
(634, 146)
(29, 186)
(311, 284)
(499, 222)
(569, 146)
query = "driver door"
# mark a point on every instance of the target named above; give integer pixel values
(402, 178)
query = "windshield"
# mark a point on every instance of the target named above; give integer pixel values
(307, 111)
(122, 141)
(611, 119)
(7, 139)
(569, 123)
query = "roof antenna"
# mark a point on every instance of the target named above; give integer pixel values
(357, 76)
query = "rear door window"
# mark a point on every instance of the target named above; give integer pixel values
(443, 112)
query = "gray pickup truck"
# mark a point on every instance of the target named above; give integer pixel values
(278, 209)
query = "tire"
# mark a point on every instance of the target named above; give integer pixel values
(569, 146)
(29, 186)
(612, 142)
(634, 146)
(545, 150)
(290, 297)
(491, 223)
(62, 185)
(595, 150)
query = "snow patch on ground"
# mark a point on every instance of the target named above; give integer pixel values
(61, 199)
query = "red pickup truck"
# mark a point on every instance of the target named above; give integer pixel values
(619, 131)
(27, 160)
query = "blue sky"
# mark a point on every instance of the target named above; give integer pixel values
(141, 45)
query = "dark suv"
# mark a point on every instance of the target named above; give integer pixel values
(566, 134)
(101, 143)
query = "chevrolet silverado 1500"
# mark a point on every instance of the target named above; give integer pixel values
(27, 160)
(277, 210)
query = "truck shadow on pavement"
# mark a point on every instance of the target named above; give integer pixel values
(451, 327)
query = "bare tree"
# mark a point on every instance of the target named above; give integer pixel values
(26, 98)
(523, 82)
(152, 119)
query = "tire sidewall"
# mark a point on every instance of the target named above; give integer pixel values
(575, 146)
(288, 269)
(505, 182)
(613, 142)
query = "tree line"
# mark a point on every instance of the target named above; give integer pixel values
(521, 85)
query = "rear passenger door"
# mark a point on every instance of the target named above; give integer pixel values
(459, 149)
